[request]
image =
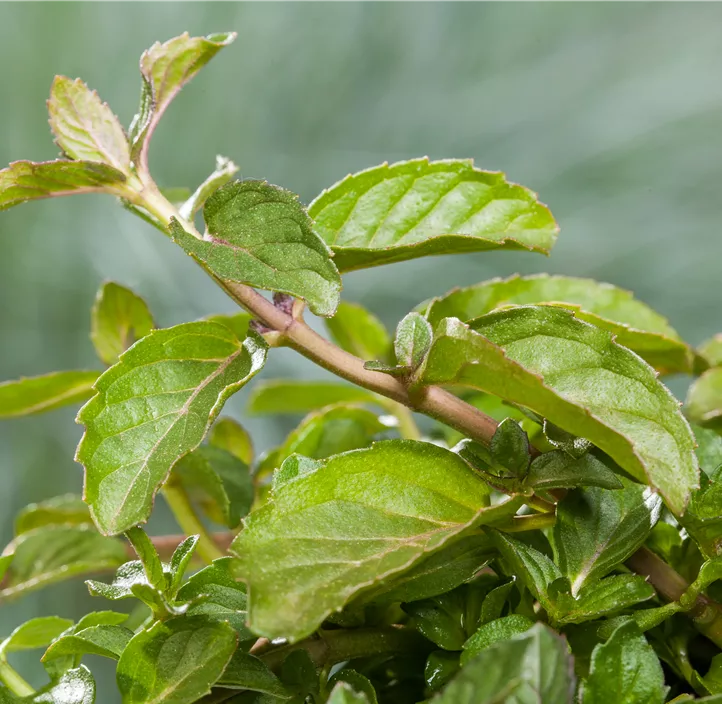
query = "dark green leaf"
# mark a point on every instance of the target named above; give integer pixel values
(107, 641)
(232, 437)
(359, 332)
(154, 406)
(441, 667)
(575, 375)
(357, 682)
(37, 394)
(245, 671)
(119, 318)
(344, 693)
(175, 662)
(597, 529)
(510, 447)
(704, 400)
(298, 674)
(85, 127)
(417, 208)
(260, 235)
(440, 619)
(558, 469)
(625, 669)
(493, 632)
(635, 324)
(74, 687)
(68, 509)
(337, 527)
(35, 633)
(494, 602)
(289, 396)
(218, 481)
(532, 667)
(50, 554)
(412, 341)
(26, 180)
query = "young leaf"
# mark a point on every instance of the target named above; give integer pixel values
(289, 396)
(232, 437)
(417, 208)
(85, 128)
(711, 350)
(635, 324)
(703, 518)
(218, 481)
(575, 375)
(260, 235)
(558, 469)
(118, 319)
(359, 332)
(37, 394)
(625, 669)
(493, 632)
(344, 693)
(704, 400)
(68, 509)
(237, 322)
(165, 69)
(510, 448)
(154, 406)
(532, 667)
(26, 180)
(245, 671)
(337, 527)
(36, 633)
(175, 662)
(74, 687)
(108, 641)
(129, 575)
(179, 561)
(412, 341)
(597, 529)
(53, 553)
(148, 556)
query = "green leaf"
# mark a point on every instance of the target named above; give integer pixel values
(260, 235)
(412, 341)
(179, 562)
(711, 350)
(225, 170)
(510, 447)
(148, 556)
(154, 406)
(493, 632)
(495, 601)
(441, 667)
(709, 448)
(597, 529)
(704, 400)
(237, 322)
(440, 620)
(289, 396)
(214, 593)
(175, 662)
(246, 671)
(54, 553)
(344, 693)
(26, 180)
(232, 437)
(635, 324)
(74, 687)
(85, 128)
(558, 469)
(217, 481)
(68, 509)
(417, 208)
(531, 667)
(104, 640)
(358, 682)
(119, 318)
(35, 633)
(703, 518)
(359, 332)
(625, 669)
(337, 527)
(37, 394)
(576, 376)
(129, 575)
(165, 69)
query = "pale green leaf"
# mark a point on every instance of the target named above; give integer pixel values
(108, 641)
(85, 128)
(26, 180)
(290, 396)
(711, 350)
(704, 400)
(119, 318)
(35, 633)
(335, 528)
(344, 693)
(175, 662)
(232, 437)
(412, 341)
(154, 406)
(260, 235)
(238, 322)
(597, 529)
(359, 332)
(575, 375)
(634, 323)
(74, 687)
(68, 509)
(37, 394)
(417, 208)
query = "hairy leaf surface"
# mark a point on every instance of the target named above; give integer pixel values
(37, 394)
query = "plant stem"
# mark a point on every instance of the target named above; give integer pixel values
(13, 681)
(189, 522)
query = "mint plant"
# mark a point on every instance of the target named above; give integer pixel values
(553, 535)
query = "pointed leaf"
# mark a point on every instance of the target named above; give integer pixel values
(260, 235)
(154, 406)
(74, 687)
(704, 400)
(175, 662)
(26, 180)
(510, 447)
(119, 318)
(104, 640)
(635, 324)
(35, 633)
(493, 632)
(557, 470)
(180, 560)
(597, 529)
(37, 394)
(232, 437)
(577, 377)
(148, 556)
(412, 341)
(245, 671)
(625, 669)
(417, 208)
(289, 396)
(85, 127)
(129, 575)
(359, 332)
(337, 527)
(68, 509)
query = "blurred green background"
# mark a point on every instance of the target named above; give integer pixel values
(611, 112)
